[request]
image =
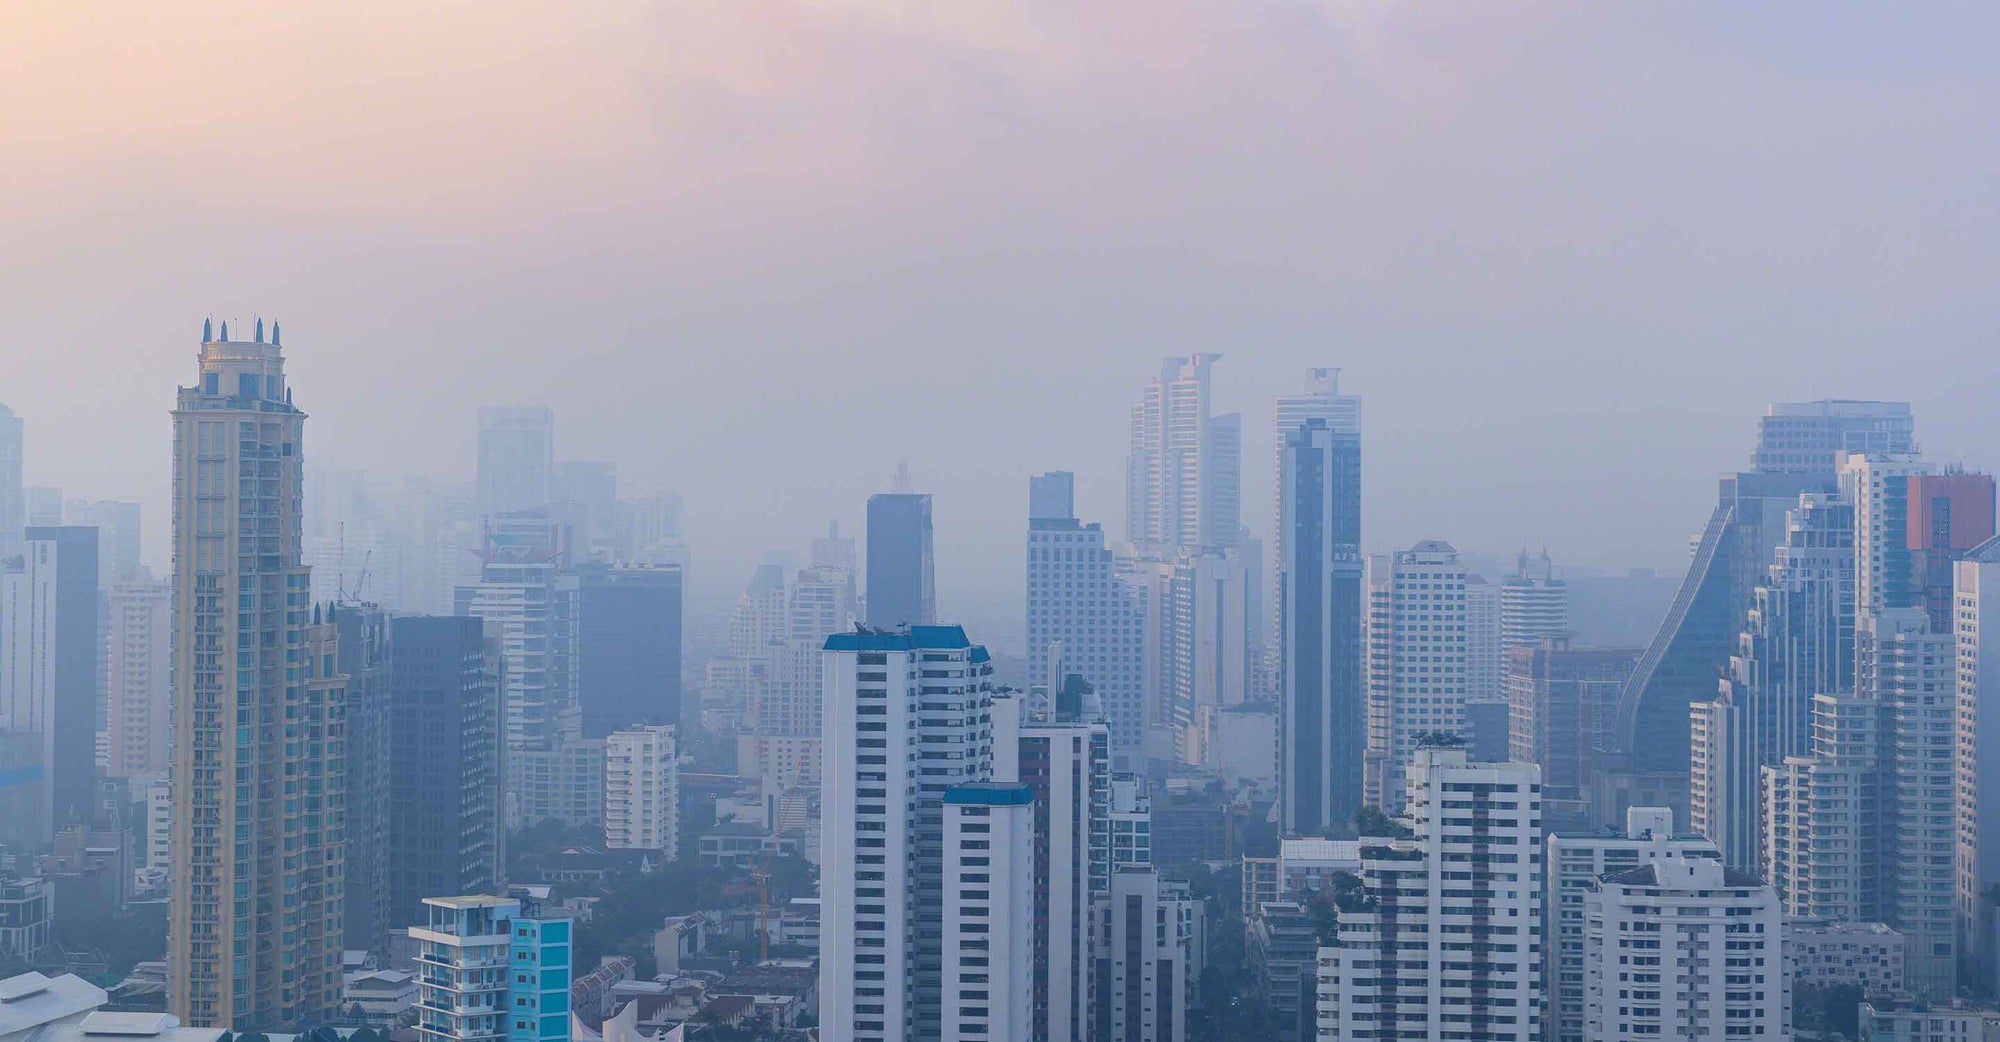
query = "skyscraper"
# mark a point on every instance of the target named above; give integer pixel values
(989, 915)
(1075, 599)
(117, 527)
(446, 821)
(255, 926)
(1534, 604)
(1416, 659)
(1067, 763)
(1321, 654)
(1877, 485)
(49, 657)
(629, 669)
(1178, 491)
(1340, 413)
(1562, 706)
(901, 584)
(906, 718)
(13, 507)
(517, 458)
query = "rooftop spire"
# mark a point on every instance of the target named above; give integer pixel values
(208, 330)
(260, 329)
(275, 340)
(225, 332)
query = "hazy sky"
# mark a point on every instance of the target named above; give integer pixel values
(758, 252)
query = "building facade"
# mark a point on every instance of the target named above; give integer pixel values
(629, 625)
(989, 913)
(1076, 600)
(641, 789)
(139, 682)
(256, 915)
(447, 818)
(1417, 660)
(1323, 695)
(489, 973)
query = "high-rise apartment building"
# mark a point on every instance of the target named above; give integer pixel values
(13, 507)
(259, 735)
(49, 660)
(1181, 478)
(1444, 939)
(907, 716)
(1416, 665)
(1321, 650)
(529, 590)
(1797, 642)
(1484, 650)
(1681, 946)
(492, 973)
(989, 912)
(629, 625)
(1066, 763)
(1976, 633)
(365, 659)
(517, 459)
(1877, 485)
(1075, 598)
(902, 587)
(641, 787)
(1576, 862)
(1949, 514)
(446, 821)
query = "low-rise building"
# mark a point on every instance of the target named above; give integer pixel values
(1891, 1021)
(1868, 956)
(27, 915)
(381, 998)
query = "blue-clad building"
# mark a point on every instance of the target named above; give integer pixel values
(488, 972)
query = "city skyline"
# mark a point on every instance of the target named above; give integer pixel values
(1388, 206)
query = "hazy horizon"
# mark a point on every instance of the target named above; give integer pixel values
(759, 255)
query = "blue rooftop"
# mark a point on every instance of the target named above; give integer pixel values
(936, 638)
(990, 794)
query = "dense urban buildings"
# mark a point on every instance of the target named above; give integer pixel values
(49, 661)
(1562, 713)
(517, 459)
(255, 929)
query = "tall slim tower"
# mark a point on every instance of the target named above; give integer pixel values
(1075, 599)
(1320, 642)
(1171, 490)
(258, 764)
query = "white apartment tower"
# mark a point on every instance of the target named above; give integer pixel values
(1417, 669)
(989, 912)
(1445, 939)
(907, 716)
(1975, 590)
(1683, 947)
(139, 678)
(258, 761)
(1145, 958)
(641, 785)
(1575, 864)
